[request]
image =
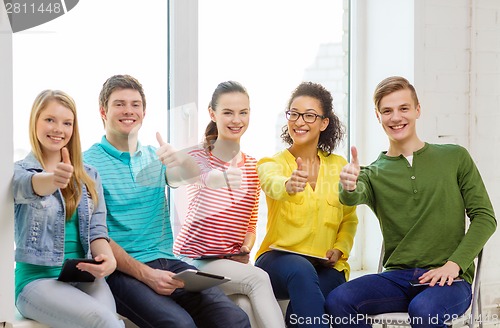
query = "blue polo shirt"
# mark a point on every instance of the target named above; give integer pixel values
(138, 216)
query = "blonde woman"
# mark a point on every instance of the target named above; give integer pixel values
(59, 214)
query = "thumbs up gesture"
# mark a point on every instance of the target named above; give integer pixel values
(167, 154)
(63, 170)
(298, 180)
(233, 174)
(350, 172)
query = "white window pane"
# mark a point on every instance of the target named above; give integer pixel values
(78, 51)
(271, 47)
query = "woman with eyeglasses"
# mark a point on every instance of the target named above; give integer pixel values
(309, 232)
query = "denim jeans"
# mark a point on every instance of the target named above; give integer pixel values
(146, 308)
(305, 284)
(63, 305)
(391, 291)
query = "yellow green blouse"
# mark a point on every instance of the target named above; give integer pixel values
(311, 221)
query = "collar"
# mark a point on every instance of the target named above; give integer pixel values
(123, 156)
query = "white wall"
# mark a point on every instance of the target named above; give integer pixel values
(6, 170)
(382, 45)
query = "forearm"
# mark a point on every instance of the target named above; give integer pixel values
(43, 184)
(249, 240)
(101, 246)
(127, 264)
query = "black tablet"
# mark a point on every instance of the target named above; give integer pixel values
(416, 282)
(70, 273)
(219, 256)
(195, 281)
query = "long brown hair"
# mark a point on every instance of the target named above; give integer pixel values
(73, 192)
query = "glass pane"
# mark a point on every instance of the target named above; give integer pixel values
(78, 51)
(271, 47)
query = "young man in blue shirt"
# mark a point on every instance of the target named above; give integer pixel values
(134, 179)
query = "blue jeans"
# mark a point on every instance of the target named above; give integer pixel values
(63, 305)
(146, 308)
(391, 291)
(297, 278)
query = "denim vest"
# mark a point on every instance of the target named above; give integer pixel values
(40, 220)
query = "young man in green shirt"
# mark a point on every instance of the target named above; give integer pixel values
(420, 193)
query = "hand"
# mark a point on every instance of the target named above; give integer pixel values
(298, 180)
(161, 281)
(233, 174)
(167, 154)
(242, 258)
(63, 170)
(441, 275)
(333, 256)
(101, 270)
(350, 172)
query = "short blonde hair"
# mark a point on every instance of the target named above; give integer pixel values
(390, 85)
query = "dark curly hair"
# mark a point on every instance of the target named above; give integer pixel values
(331, 137)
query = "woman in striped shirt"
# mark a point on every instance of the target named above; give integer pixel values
(223, 206)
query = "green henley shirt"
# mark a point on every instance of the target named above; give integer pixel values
(421, 207)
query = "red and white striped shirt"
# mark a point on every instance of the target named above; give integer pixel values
(218, 220)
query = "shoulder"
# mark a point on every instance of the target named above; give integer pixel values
(29, 162)
(198, 151)
(148, 149)
(250, 159)
(93, 151)
(91, 171)
(448, 150)
(279, 157)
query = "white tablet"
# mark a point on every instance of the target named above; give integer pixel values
(278, 248)
(195, 281)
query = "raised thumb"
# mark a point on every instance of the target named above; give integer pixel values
(299, 163)
(160, 139)
(65, 155)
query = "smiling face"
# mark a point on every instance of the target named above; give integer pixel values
(232, 115)
(301, 132)
(398, 114)
(54, 128)
(124, 114)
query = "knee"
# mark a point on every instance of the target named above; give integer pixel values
(261, 276)
(338, 302)
(304, 274)
(104, 319)
(423, 311)
(184, 322)
(237, 317)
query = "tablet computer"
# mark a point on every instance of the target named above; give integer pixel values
(278, 248)
(416, 282)
(195, 281)
(219, 256)
(70, 273)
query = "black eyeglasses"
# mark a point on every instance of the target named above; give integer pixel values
(307, 117)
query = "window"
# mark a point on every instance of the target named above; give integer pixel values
(78, 51)
(270, 47)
